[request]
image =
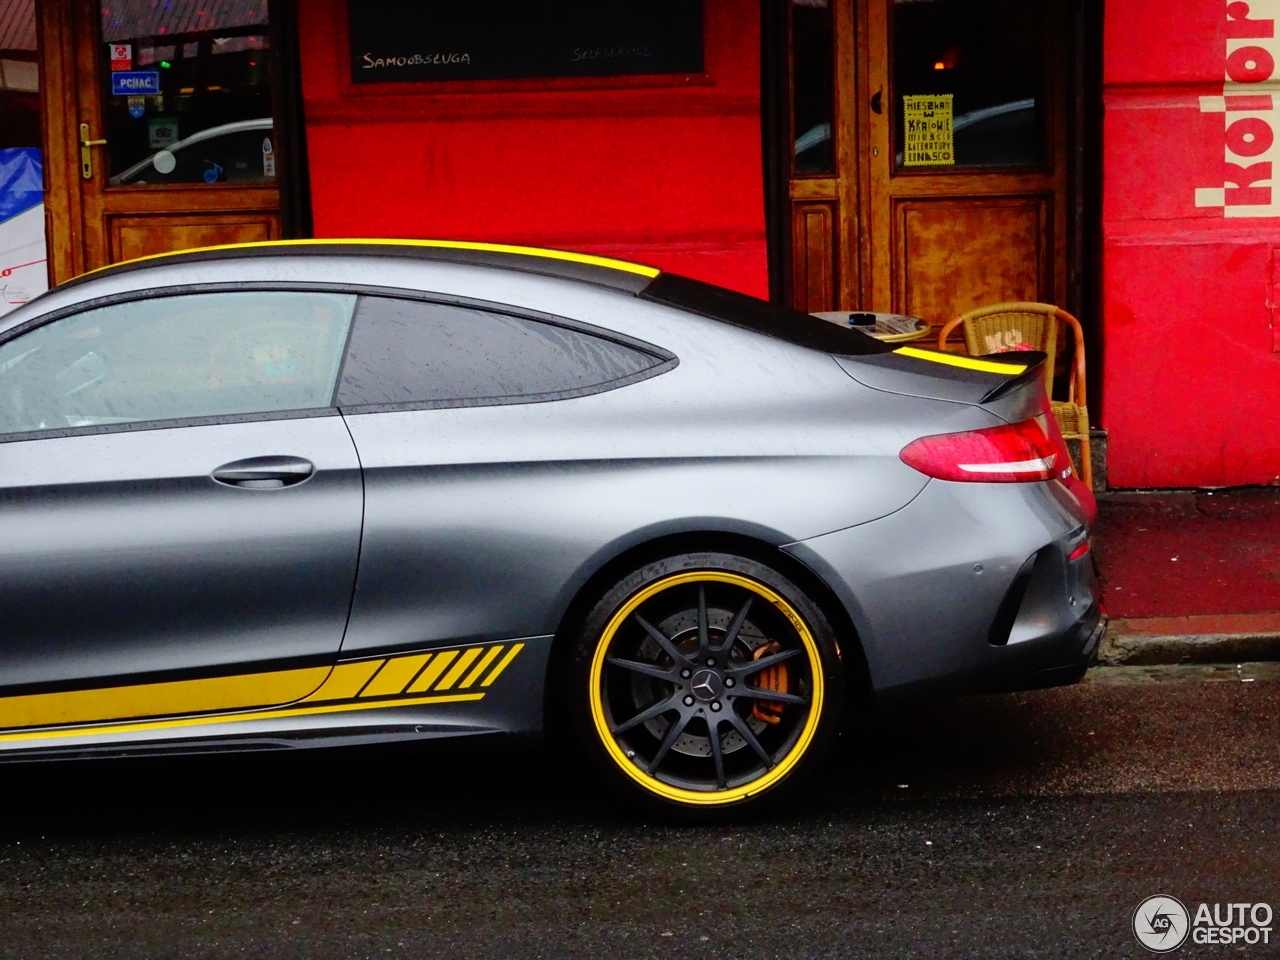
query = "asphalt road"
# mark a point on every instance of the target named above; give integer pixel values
(1028, 825)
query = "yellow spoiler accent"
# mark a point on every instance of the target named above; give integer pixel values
(584, 258)
(968, 363)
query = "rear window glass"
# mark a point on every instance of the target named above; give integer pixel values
(416, 352)
(760, 316)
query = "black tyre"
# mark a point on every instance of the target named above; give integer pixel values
(705, 681)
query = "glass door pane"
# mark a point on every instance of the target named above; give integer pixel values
(811, 87)
(186, 92)
(970, 80)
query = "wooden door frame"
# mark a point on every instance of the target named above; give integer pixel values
(76, 237)
(830, 197)
(60, 118)
(293, 178)
(887, 288)
(775, 157)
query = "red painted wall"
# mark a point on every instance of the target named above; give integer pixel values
(665, 173)
(1192, 376)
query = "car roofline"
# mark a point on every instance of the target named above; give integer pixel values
(563, 264)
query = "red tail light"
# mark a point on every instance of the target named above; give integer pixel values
(1012, 453)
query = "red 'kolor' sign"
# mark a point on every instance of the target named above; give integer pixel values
(1248, 106)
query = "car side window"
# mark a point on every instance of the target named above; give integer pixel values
(175, 358)
(407, 351)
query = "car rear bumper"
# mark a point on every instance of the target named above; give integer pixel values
(1054, 662)
(970, 587)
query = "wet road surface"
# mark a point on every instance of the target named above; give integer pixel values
(1025, 825)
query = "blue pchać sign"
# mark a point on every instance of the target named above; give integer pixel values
(126, 83)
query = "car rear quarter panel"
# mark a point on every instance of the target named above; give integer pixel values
(484, 521)
(923, 584)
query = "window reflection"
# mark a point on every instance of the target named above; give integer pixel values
(186, 92)
(983, 63)
(200, 355)
(811, 86)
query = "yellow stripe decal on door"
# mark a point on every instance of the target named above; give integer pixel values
(179, 722)
(346, 680)
(363, 684)
(394, 676)
(160, 699)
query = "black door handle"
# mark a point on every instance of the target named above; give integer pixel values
(264, 473)
(875, 102)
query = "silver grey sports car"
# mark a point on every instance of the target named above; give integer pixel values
(288, 495)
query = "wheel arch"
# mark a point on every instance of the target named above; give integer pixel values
(613, 567)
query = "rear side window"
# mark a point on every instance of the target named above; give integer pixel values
(415, 352)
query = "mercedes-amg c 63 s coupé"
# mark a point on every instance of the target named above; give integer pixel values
(318, 493)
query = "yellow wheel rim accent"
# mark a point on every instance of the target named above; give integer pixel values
(708, 798)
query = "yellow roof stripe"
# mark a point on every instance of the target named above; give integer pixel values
(566, 255)
(968, 363)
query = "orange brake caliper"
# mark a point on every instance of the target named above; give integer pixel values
(770, 678)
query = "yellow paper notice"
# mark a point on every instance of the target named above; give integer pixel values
(929, 141)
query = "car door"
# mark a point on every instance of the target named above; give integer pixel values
(180, 506)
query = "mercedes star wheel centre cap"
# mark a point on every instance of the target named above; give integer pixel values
(706, 685)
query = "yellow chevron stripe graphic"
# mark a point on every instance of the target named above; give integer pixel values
(506, 661)
(474, 675)
(432, 673)
(464, 661)
(406, 680)
(394, 676)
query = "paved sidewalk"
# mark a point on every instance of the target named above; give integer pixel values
(1190, 576)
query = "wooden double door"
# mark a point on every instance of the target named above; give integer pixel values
(159, 128)
(930, 146)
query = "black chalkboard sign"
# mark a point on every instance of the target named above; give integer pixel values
(393, 41)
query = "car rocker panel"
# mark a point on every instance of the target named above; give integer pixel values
(488, 688)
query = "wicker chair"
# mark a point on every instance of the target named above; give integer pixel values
(1007, 327)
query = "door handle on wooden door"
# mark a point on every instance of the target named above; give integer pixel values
(86, 154)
